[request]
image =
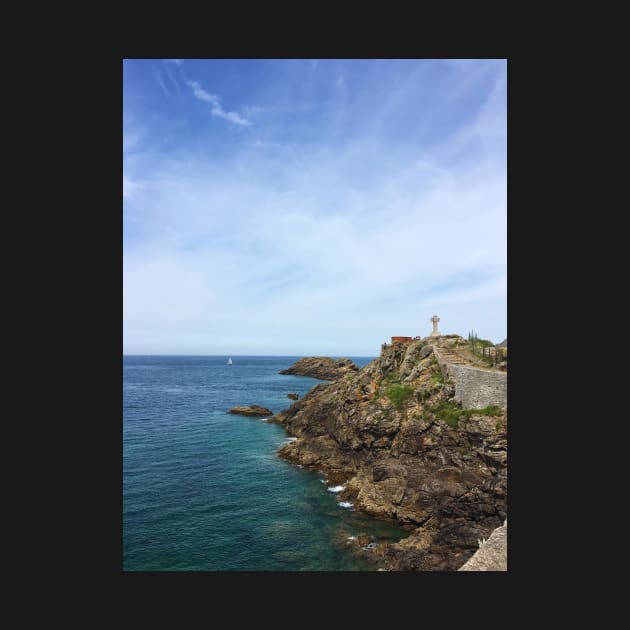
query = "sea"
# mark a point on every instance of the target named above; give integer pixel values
(204, 490)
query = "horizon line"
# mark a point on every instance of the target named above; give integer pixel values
(231, 355)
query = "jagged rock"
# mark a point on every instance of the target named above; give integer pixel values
(251, 410)
(401, 459)
(292, 396)
(323, 368)
(412, 356)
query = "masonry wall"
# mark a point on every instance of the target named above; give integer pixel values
(476, 388)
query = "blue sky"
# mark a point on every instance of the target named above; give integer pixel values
(311, 206)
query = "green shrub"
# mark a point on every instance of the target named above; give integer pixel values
(399, 394)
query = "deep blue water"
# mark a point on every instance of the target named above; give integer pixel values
(205, 490)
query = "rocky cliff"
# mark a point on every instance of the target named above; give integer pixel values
(323, 368)
(405, 450)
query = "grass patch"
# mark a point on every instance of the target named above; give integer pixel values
(391, 377)
(491, 410)
(399, 394)
(451, 412)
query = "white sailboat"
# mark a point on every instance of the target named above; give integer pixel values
(229, 361)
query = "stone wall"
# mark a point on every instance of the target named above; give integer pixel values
(476, 388)
(492, 554)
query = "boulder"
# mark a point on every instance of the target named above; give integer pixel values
(292, 396)
(251, 410)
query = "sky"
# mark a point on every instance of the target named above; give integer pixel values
(312, 206)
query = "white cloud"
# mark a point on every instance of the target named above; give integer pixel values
(217, 109)
(201, 94)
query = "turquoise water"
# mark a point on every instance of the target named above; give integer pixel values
(205, 490)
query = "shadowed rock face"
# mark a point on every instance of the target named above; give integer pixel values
(382, 431)
(251, 410)
(323, 368)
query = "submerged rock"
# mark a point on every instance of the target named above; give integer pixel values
(251, 410)
(292, 396)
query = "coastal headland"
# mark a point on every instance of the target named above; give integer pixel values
(419, 435)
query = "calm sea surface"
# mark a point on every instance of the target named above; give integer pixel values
(205, 490)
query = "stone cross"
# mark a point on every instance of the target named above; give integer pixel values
(436, 333)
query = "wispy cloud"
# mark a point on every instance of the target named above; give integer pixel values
(160, 81)
(217, 109)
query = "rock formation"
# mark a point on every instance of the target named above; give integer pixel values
(323, 368)
(405, 450)
(292, 396)
(251, 410)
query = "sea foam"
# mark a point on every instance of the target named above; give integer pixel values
(336, 488)
(345, 504)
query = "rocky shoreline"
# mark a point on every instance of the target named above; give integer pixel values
(323, 368)
(392, 433)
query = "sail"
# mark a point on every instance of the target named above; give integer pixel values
(230, 361)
